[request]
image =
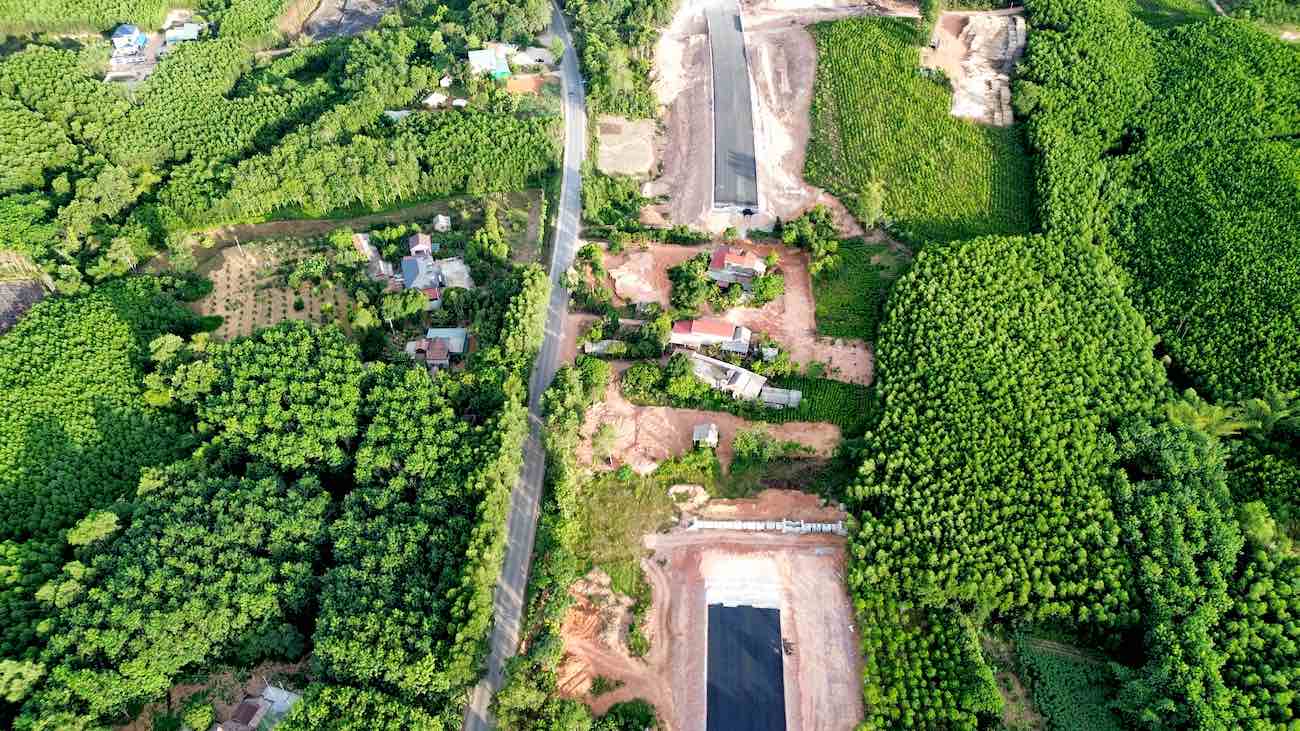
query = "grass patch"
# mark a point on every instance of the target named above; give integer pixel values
(876, 115)
(618, 507)
(1168, 13)
(851, 297)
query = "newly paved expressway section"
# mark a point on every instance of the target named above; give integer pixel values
(525, 498)
(735, 171)
(746, 686)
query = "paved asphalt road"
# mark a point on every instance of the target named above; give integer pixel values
(525, 498)
(746, 685)
(735, 173)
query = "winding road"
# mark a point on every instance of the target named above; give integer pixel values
(525, 498)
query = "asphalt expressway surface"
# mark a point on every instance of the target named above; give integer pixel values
(746, 686)
(735, 171)
(525, 498)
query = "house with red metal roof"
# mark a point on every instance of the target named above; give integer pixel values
(696, 334)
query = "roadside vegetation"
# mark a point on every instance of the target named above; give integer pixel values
(528, 700)
(886, 123)
(615, 40)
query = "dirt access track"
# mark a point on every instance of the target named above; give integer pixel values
(642, 276)
(782, 68)
(805, 574)
(648, 435)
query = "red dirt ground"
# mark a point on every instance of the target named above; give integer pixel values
(648, 435)
(822, 686)
(642, 276)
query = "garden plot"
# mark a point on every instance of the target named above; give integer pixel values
(645, 436)
(977, 52)
(803, 576)
(249, 293)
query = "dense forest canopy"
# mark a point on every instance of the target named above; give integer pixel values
(356, 508)
(104, 178)
(1037, 466)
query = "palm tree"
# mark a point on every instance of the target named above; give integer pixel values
(1210, 419)
(1275, 409)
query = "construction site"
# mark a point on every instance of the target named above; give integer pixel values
(750, 626)
(774, 74)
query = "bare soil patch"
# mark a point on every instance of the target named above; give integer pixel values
(525, 83)
(641, 274)
(977, 51)
(16, 298)
(822, 669)
(648, 435)
(626, 146)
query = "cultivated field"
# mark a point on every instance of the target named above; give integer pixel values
(944, 178)
(248, 288)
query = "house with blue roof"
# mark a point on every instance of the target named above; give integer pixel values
(129, 38)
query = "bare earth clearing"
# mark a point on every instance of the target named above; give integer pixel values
(783, 64)
(977, 51)
(626, 146)
(648, 435)
(805, 573)
(642, 276)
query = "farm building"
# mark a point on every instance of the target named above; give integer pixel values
(247, 717)
(733, 265)
(710, 331)
(728, 378)
(437, 346)
(421, 244)
(456, 337)
(419, 272)
(182, 32)
(705, 435)
(780, 398)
